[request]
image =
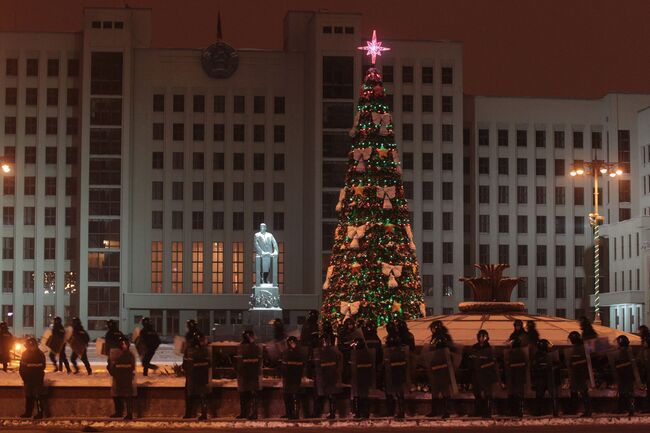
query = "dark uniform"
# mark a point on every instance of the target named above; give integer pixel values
(294, 361)
(623, 365)
(516, 363)
(56, 344)
(436, 361)
(6, 343)
(79, 344)
(396, 375)
(146, 344)
(644, 361)
(578, 365)
(328, 361)
(485, 374)
(196, 364)
(121, 366)
(348, 333)
(249, 372)
(518, 332)
(32, 372)
(545, 376)
(112, 337)
(362, 363)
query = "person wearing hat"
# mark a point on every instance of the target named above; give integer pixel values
(328, 362)
(56, 344)
(249, 372)
(147, 343)
(121, 366)
(112, 337)
(363, 377)
(485, 374)
(6, 343)
(516, 370)
(577, 362)
(293, 368)
(545, 377)
(396, 370)
(32, 372)
(624, 371)
(79, 345)
(196, 364)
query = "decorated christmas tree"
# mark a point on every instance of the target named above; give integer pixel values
(373, 272)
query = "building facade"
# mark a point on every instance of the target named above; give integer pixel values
(141, 174)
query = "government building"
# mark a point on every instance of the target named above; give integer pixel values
(140, 174)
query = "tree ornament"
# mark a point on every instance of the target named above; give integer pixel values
(409, 233)
(339, 205)
(386, 120)
(386, 193)
(349, 308)
(356, 233)
(392, 272)
(389, 228)
(355, 267)
(361, 155)
(330, 271)
(373, 47)
(358, 190)
(383, 153)
(396, 307)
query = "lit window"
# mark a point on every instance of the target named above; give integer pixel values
(177, 267)
(238, 267)
(197, 267)
(217, 267)
(156, 266)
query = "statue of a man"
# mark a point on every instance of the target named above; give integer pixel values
(265, 248)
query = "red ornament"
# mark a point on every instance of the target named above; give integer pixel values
(389, 227)
(378, 90)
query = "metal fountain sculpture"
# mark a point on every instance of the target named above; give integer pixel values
(491, 290)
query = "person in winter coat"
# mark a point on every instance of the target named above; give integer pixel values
(644, 361)
(397, 378)
(625, 378)
(348, 332)
(121, 366)
(293, 368)
(576, 358)
(518, 331)
(373, 342)
(309, 333)
(79, 345)
(405, 335)
(436, 363)
(532, 335)
(112, 337)
(32, 372)
(196, 364)
(147, 343)
(588, 331)
(56, 343)
(516, 370)
(545, 376)
(192, 330)
(249, 370)
(328, 362)
(485, 374)
(6, 343)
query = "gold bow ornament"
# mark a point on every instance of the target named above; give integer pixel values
(354, 129)
(350, 308)
(396, 160)
(382, 120)
(339, 205)
(330, 271)
(361, 156)
(356, 233)
(392, 272)
(409, 233)
(387, 193)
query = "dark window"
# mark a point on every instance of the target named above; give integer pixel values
(407, 103)
(541, 224)
(624, 192)
(218, 161)
(447, 75)
(483, 137)
(50, 186)
(427, 190)
(427, 161)
(337, 114)
(52, 67)
(29, 185)
(158, 102)
(218, 191)
(70, 186)
(217, 220)
(30, 125)
(11, 96)
(559, 167)
(579, 195)
(596, 140)
(157, 160)
(73, 67)
(541, 255)
(259, 103)
(278, 105)
(278, 191)
(278, 161)
(407, 161)
(238, 133)
(178, 132)
(577, 139)
(157, 190)
(258, 191)
(238, 220)
(239, 104)
(447, 161)
(156, 219)
(407, 74)
(540, 138)
(72, 126)
(71, 216)
(198, 132)
(158, 132)
(177, 220)
(106, 73)
(522, 166)
(72, 98)
(50, 216)
(237, 161)
(51, 125)
(427, 252)
(177, 190)
(407, 131)
(178, 103)
(12, 67)
(198, 103)
(484, 165)
(427, 103)
(49, 245)
(219, 132)
(219, 104)
(177, 160)
(503, 166)
(197, 160)
(522, 138)
(558, 138)
(388, 74)
(28, 248)
(540, 167)
(258, 161)
(10, 125)
(258, 133)
(427, 75)
(197, 220)
(197, 191)
(29, 215)
(427, 132)
(32, 67)
(447, 104)
(31, 96)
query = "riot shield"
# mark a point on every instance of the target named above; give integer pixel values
(329, 365)
(43, 345)
(179, 345)
(68, 333)
(579, 365)
(397, 369)
(77, 345)
(517, 362)
(123, 372)
(626, 373)
(363, 371)
(440, 371)
(249, 367)
(100, 345)
(485, 373)
(293, 369)
(273, 350)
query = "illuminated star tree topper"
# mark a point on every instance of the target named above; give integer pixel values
(373, 47)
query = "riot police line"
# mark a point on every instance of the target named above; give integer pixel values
(355, 358)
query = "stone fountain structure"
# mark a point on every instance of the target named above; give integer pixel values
(492, 291)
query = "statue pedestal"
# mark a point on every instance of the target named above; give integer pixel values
(264, 305)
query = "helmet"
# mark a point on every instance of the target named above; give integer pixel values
(194, 340)
(111, 325)
(191, 324)
(145, 321)
(31, 343)
(292, 339)
(313, 315)
(482, 333)
(543, 345)
(124, 340)
(623, 341)
(3, 325)
(518, 323)
(436, 324)
(575, 338)
(247, 335)
(348, 322)
(57, 320)
(76, 321)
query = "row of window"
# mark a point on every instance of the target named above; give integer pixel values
(31, 96)
(49, 248)
(219, 104)
(9, 185)
(215, 263)
(31, 67)
(218, 161)
(218, 132)
(614, 241)
(522, 224)
(51, 125)
(218, 220)
(446, 132)
(107, 25)
(503, 166)
(541, 258)
(503, 138)
(29, 216)
(446, 104)
(51, 153)
(541, 194)
(620, 275)
(560, 291)
(49, 282)
(218, 191)
(408, 74)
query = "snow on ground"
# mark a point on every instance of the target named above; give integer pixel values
(344, 423)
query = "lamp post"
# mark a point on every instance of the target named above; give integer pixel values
(597, 167)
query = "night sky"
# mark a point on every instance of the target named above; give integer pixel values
(551, 48)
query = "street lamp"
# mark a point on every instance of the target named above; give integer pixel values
(596, 168)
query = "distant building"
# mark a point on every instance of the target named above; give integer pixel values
(142, 173)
